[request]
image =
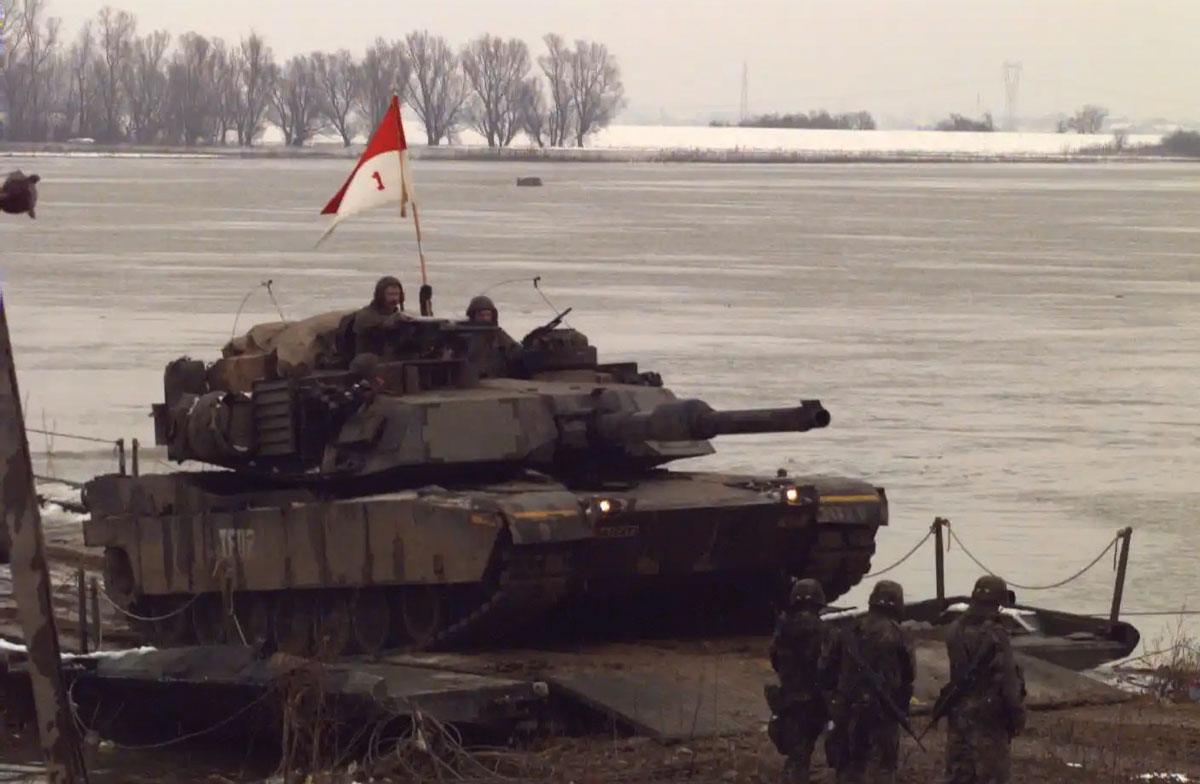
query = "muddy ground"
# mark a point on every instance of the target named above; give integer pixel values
(1142, 740)
(1116, 743)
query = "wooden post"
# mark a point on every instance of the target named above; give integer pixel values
(121, 456)
(134, 456)
(31, 579)
(1125, 534)
(81, 584)
(95, 591)
(939, 563)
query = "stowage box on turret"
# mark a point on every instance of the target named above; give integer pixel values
(453, 491)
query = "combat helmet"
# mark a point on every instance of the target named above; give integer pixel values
(382, 285)
(887, 595)
(807, 594)
(990, 592)
(483, 302)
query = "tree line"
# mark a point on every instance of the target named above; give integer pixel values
(114, 85)
(1087, 119)
(848, 121)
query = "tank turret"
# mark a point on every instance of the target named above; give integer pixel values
(554, 407)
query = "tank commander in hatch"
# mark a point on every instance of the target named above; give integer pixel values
(500, 349)
(379, 320)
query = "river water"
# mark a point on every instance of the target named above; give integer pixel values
(1013, 347)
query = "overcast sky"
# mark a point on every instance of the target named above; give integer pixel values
(892, 57)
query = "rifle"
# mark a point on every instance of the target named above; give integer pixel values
(950, 695)
(879, 688)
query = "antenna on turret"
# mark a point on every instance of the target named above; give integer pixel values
(535, 280)
(557, 312)
(264, 284)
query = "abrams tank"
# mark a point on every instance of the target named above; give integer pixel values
(456, 490)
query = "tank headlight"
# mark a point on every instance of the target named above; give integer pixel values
(791, 495)
(604, 505)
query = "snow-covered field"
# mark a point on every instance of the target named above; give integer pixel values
(672, 137)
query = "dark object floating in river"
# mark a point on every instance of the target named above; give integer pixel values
(532, 181)
(19, 194)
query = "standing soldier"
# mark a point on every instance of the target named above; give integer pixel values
(796, 703)
(869, 672)
(989, 709)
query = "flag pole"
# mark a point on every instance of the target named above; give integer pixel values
(416, 217)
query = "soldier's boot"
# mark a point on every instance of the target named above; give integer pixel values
(795, 771)
(853, 772)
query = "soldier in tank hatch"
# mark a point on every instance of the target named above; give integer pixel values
(499, 351)
(990, 711)
(869, 671)
(381, 318)
(797, 703)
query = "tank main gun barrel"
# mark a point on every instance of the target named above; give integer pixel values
(692, 420)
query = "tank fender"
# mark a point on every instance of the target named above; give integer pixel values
(841, 501)
(545, 516)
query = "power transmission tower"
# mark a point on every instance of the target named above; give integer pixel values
(1012, 83)
(744, 108)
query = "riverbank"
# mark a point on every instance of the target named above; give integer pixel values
(1140, 741)
(582, 155)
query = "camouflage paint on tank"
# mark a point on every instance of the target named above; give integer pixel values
(677, 523)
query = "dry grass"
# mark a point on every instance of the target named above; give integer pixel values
(1175, 665)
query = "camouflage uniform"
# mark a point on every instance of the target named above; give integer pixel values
(373, 324)
(981, 725)
(797, 705)
(864, 735)
(500, 350)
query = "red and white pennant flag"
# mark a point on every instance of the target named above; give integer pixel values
(381, 176)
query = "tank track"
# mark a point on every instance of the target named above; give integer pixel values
(840, 557)
(515, 599)
(515, 603)
(519, 594)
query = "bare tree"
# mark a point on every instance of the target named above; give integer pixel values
(496, 71)
(556, 64)
(82, 62)
(1089, 119)
(338, 80)
(596, 88)
(116, 35)
(29, 67)
(385, 68)
(296, 101)
(144, 80)
(226, 69)
(192, 95)
(256, 82)
(438, 91)
(533, 111)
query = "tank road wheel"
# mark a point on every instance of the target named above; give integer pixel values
(839, 558)
(331, 624)
(209, 620)
(253, 614)
(370, 617)
(420, 614)
(292, 622)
